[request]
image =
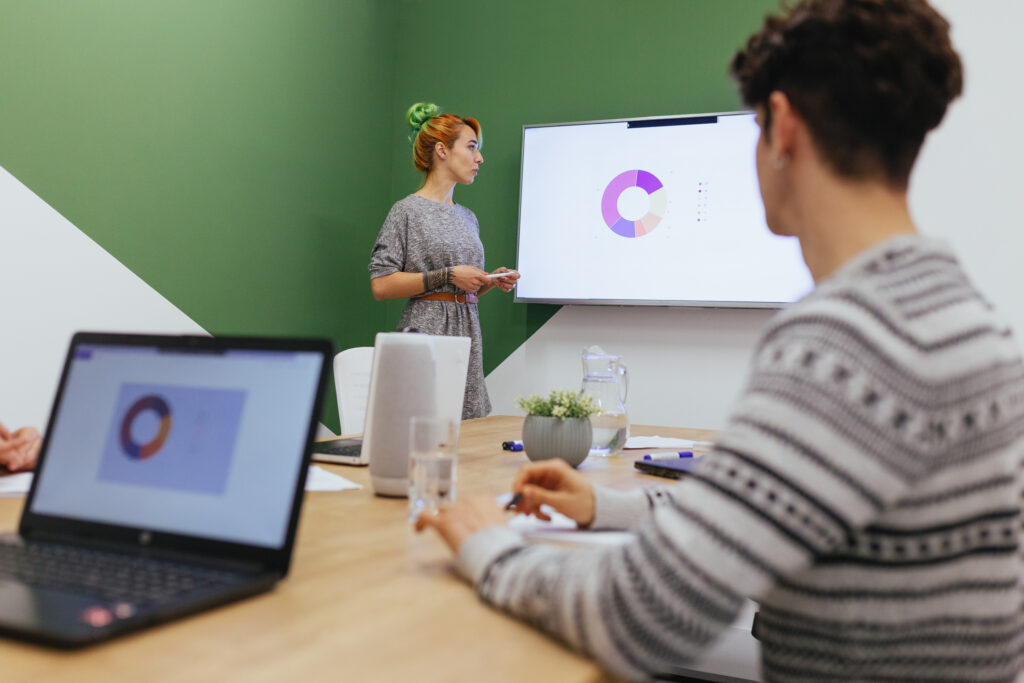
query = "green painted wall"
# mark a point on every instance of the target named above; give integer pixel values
(230, 152)
(240, 155)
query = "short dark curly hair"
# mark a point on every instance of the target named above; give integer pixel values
(869, 77)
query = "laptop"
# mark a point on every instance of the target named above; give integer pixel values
(169, 481)
(451, 362)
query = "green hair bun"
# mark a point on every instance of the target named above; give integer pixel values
(420, 113)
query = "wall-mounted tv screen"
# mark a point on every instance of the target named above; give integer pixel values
(660, 211)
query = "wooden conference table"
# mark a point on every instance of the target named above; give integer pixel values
(367, 599)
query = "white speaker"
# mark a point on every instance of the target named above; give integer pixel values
(403, 384)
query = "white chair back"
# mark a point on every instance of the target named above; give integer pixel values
(352, 384)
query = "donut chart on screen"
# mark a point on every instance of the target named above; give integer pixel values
(137, 451)
(647, 182)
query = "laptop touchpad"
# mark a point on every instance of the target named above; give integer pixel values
(42, 612)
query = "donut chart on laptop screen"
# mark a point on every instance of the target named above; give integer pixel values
(137, 451)
(173, 437)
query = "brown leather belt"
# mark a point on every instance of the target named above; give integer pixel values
(448, 296)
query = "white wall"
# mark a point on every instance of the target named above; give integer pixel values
(54, 281)
(968, 184)
(687, 366)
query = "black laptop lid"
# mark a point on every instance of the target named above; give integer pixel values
(187, 443)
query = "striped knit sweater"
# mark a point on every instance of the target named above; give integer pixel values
(866, 492)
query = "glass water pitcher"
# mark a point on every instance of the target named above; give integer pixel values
(606, 380)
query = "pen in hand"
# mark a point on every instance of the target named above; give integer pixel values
(516, 499)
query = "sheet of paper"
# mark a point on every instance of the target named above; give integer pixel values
(320, 479)
(579, 538)
(659, 442)
(15, 485)
(560, 529)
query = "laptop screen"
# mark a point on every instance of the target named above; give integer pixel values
(198, 443)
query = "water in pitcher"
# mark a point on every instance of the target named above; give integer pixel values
(606, 380)
(610, 433)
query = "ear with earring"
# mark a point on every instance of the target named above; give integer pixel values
(781, 162)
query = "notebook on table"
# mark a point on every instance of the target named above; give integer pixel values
(170, 480)
(676, 468)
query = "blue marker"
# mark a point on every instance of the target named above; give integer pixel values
(668, 456)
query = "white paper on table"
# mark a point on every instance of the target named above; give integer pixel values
(15, 485)
(660, 442)
(560, 529)
(320, 479)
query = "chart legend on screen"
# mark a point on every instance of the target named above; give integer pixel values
(643, 225)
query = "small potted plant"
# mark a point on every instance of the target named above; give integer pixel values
(558, 426)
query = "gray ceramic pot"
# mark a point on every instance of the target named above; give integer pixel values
(549, 437)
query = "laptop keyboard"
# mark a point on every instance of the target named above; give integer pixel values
(106, 575)
(337, 448)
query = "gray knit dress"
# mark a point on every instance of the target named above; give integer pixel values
(420, 235)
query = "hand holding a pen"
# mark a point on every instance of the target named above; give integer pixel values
(554, 483)
(550, 482)
(457, 522)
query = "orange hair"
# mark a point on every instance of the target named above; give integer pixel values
(431, 128)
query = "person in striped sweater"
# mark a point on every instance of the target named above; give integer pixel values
(866, 490)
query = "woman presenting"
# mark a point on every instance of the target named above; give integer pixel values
(429, 247)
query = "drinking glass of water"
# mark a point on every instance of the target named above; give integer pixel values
(433, 461)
